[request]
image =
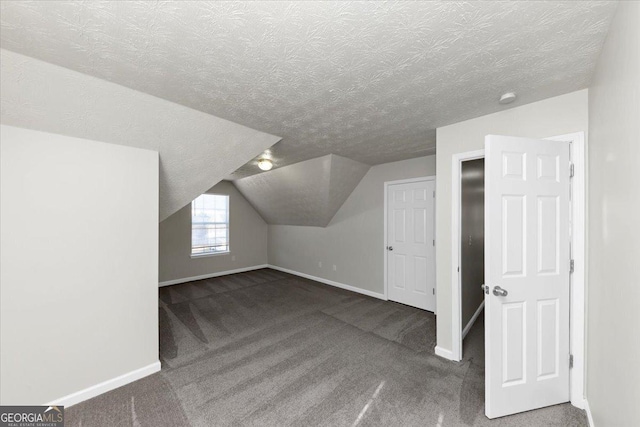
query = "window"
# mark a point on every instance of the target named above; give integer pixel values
(210, 224)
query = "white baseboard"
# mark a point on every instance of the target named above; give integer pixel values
(473, 319)
(330, 282)
(209, 276)
(443, 352)
(105, 386)
(589, 415)
(579, 402)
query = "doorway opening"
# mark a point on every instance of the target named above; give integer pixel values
(471, 242)
(577, 149)
(473, 163)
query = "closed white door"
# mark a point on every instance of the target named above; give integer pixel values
(527, 273)
(410, 244)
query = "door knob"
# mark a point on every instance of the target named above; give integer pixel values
(499, 292)
(485, 288)
(389, 248)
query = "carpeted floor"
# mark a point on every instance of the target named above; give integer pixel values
(265, 348)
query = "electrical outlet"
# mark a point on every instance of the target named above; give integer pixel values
(335, 268)
(319, 264)
(233, 257)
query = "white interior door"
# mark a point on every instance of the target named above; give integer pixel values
(527, 268)
(410, 244)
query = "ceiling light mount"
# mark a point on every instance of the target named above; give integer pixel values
(265, 164)
(507, 98)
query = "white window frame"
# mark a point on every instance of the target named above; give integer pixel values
(217, 253)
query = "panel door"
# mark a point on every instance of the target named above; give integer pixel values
(527, 270)
(410, 244)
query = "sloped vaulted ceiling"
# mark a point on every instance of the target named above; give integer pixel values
(306, 193)
(366, 80)
(197, 150)
(369, 81)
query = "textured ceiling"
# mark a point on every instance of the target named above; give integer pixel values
(306, 193)
(366, 80)
(197, 150)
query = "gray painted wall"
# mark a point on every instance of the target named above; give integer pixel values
(247, 233)
(79, 277)
(354, 239)
(613, 346)
(554, 116)
(471, 237)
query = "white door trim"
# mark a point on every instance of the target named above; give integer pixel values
(456, 292)
(578, 254)
(578, 249)
(384, 247)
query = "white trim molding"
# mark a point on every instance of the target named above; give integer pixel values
(209, 276)
(587, 409)
(330, 282)
(105, 386)
(578, 254)
(443, 352)
(473, 319)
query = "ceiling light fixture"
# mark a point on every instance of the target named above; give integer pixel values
(265, 164)
(507, 98)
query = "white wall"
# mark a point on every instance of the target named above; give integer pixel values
(307, 193)
(554, 116)
(247, 234)
(79, 277)
(354, 239)
(197, 150)
(613, 343)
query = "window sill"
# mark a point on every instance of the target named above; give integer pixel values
(210, 255)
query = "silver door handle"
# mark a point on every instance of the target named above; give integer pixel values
(485, 288)
(389, 248)
(499, 292)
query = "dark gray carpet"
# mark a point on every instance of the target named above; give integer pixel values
(265, 348)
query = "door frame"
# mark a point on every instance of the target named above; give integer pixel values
(456, 226)
(384, 248)
(578, 254)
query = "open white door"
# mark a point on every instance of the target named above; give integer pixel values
(410, 243)
(527, 274)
